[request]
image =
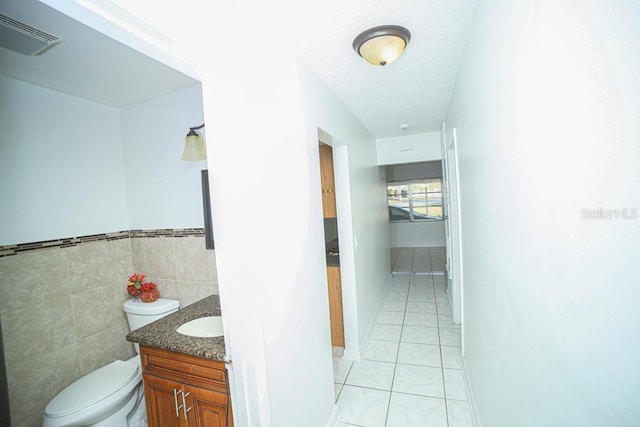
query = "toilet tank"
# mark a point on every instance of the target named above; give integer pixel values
(141, 313)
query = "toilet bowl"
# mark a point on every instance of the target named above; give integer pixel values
(111, 396)
(105, 397)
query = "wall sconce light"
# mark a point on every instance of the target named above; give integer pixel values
(194, 147)
(382, 45)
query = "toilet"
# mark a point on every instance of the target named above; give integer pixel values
(111, 396)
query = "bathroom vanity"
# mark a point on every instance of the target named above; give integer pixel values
(184, 390)
(185, 377)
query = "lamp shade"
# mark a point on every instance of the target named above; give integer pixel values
(194, 147)
(382, 45)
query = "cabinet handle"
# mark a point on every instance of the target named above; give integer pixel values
(175, 402)
(184, 404)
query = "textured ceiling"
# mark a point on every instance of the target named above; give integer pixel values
(413, 90)
(416, 88)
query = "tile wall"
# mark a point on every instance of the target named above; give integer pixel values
(181, 267)
(61, 305)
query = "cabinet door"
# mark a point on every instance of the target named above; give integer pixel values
(161, 404)
(335, 306)
(208, 408)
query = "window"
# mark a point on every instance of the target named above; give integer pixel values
(416, 200)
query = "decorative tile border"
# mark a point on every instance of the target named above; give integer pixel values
(167, 232)
(9, 250)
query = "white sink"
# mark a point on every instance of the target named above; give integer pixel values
(203, 327)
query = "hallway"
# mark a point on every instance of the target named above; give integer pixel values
(411, 372)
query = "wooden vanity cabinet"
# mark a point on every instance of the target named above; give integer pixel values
(335, 306)
(183, 390)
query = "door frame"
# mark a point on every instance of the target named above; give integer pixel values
(451, 188)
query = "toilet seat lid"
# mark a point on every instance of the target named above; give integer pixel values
(92, 388)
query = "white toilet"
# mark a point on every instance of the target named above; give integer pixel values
(111, 396)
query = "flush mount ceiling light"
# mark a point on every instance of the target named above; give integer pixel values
(382, 45)
(194, 147)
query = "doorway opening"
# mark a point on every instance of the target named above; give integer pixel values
(332, 246)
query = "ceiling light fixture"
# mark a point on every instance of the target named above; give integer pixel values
(194, 147)
(382, 45)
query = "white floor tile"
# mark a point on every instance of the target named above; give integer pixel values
(420, 307)
(451, 357)
(454, 384)
(387, 332)
(340, 369)
(417, 345)
(397, 294)
(421, 298)
(425, 286)
(337, 389)
(422, 380)
(363, 406)
(391, 317)
(420, 319)
(400, 279)
(382, 351)
(419, 354)
(421, 279)
(406, 410)
(371, 374)
(450, 336)
(459, 414)
(394, 306)
(446, 321)
(444, 311)
(420, 335)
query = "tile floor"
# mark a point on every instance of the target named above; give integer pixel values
(410, 373)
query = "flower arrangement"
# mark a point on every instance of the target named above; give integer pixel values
(138, 288)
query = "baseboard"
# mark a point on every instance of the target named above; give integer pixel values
(473, 408)
(336, 416)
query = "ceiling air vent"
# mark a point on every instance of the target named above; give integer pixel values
(22, 38)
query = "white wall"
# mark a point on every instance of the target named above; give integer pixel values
(409, 149)
(58, 152)
(276, 316)
(271, 264)
(551, 298)
(66, 161)
(369, 215)
(417, 234)
(163, 191)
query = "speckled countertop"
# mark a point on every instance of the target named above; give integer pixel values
(162, 333)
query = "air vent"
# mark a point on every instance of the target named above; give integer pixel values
(25, 39)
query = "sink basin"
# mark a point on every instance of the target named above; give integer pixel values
(203, 327)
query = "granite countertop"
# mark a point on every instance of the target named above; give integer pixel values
(162, 333)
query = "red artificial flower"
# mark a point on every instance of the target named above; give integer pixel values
(148, 287)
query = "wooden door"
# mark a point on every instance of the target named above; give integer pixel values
(208, 408)
(161, 403)
(335, 306)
